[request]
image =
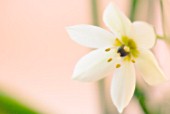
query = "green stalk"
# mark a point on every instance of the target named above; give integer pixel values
(134, 4)
(101, 83)
(162, 18)
(94, 10)
(9, 105)
(139, 93)
(103, 103)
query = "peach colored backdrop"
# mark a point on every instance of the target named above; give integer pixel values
(37, 57)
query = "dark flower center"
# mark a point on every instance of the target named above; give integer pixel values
(122, 51)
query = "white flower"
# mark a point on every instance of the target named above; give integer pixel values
(121, 51)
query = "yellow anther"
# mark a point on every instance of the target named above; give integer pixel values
(117, 42)
(108, 49)
(133, 61)
(109, 60)
(118, 65)
(126, 48)
(127, 58)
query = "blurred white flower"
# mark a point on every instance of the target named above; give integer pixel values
(121, 51)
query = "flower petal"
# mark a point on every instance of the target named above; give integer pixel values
(145, 35)
(149, 68)
(91, 36)
(123, 85)
(116, 21)
(94, 66)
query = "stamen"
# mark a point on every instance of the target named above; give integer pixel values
(118, 65)
(108, 49)
(127, 58)
(109, 60)
(117, 42)
(133, 61)
(126, 48)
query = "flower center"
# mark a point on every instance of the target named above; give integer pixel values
(123, 51)
(126, 48)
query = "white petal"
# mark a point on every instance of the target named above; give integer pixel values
(94, 66)
(116, 21)
(123, 85)
(148, 67)
(145, 35)
(91, 36)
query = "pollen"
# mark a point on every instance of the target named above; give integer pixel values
(133, 61)
(118, 42)
(109, 60)
(108, 49)
(118, 65)
(126, 48)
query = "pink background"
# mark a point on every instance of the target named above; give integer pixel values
(37, 56)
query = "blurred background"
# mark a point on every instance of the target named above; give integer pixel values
(37, 57)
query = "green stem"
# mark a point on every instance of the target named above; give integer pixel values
(133, 9)
(162, 18)
(101, 83)
(160, 37)
(94, 10)
(9, 105)
(140, 95)
(103, 103)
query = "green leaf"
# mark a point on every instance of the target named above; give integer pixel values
(8, 105)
